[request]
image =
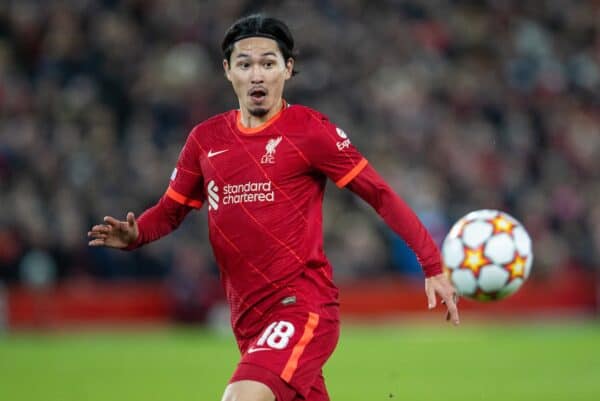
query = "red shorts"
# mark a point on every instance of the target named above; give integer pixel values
(289, 353)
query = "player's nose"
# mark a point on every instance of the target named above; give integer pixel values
(256, 75)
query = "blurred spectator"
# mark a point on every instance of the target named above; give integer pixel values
(193, 288)
(461, 105)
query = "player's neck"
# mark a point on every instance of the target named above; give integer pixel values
(247, 120)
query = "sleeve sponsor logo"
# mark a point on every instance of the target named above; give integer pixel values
(341, 133)
(345, 143)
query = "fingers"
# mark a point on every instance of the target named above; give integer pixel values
(98, 234)
(100, 229)
(431, 300)
(113, 233)
(111, 221)
(97, 242)
(439, 285)
(451, 304)
(131, 219)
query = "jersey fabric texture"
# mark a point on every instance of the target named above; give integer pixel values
(264, 189)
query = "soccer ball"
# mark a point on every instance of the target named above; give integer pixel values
(487, 255)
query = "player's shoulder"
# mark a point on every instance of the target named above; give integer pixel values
(218, 121)
(308, 119)
(307, 114)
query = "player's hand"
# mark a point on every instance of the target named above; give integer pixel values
(114, 233)
(440, 285)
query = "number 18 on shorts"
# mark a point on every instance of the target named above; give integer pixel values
(294, 345)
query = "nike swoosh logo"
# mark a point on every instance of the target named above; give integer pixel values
(218, 152)
(252, 349)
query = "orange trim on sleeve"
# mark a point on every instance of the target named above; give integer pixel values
(179, 198)
(342, 182)
(309, 333)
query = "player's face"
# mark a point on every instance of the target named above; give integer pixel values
(257, 72)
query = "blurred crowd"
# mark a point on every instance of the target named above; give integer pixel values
(461, 105)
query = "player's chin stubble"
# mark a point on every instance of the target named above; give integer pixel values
(259, 112)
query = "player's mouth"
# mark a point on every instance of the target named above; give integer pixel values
(257, 95)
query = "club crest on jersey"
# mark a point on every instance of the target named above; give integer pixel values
(270, 148)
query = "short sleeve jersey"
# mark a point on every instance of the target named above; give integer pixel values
(264, 188)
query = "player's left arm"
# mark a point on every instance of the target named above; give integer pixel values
(372, 188)
(330, 151)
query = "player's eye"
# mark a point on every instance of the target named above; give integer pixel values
(244, 65)
(269, 64)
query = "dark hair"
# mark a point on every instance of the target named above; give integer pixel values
(259, 25)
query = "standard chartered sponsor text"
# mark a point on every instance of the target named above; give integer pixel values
(248, 192)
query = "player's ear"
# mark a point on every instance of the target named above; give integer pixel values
(226, 68)
(289, 68)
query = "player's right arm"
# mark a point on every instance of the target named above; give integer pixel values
(185, 192)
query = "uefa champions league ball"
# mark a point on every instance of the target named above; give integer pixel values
(487, 255)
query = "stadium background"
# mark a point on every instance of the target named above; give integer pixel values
(461, 105)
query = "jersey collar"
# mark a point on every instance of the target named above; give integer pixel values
(257, 129)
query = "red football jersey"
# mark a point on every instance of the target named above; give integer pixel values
(264, 189)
